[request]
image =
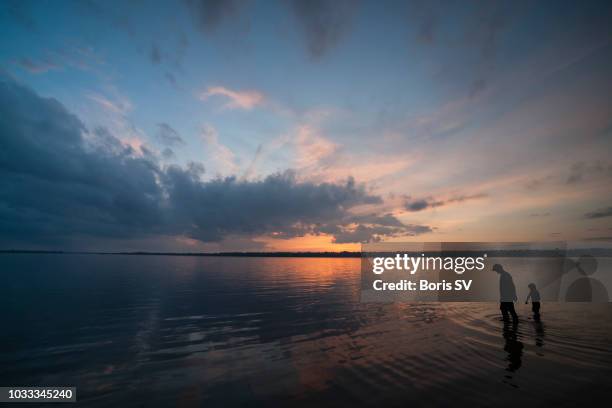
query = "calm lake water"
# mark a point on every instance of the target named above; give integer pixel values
(195, 331)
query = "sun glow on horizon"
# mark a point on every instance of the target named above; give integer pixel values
(308, 243)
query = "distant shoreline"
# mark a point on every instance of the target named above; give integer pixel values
(601, 252)
(344, 254)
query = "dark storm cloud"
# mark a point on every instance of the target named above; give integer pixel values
(324, 22)
(364, 233)
(421, 204)
(168, 136)
(601, 213)
(210, 14)
(370, 228)
(56, 183)
(278, 204)
(387, 220)
(424, 203)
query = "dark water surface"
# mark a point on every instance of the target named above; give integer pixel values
(192, 331)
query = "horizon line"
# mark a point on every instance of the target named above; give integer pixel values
(311, 254)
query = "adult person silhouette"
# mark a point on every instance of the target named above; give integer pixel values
(507, 293)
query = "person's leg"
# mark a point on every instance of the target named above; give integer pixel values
(512, 311)
(504, 310)
(536, 311)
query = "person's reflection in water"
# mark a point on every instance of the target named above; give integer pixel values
(538, 325)
(513, 346)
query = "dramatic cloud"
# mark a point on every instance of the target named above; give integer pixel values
(601, 213)
(61, 181)
(168, 136)
(324, 22)
(277, 204)
(57, 184)
(373, 228)
(236, 99)
(424, 203)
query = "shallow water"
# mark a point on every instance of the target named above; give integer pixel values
(198, 331)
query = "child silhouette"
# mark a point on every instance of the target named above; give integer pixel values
(534, 294)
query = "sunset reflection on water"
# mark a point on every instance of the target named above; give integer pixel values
(192, 331)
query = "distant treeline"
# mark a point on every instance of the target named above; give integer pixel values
(574, 252)
(344, 254)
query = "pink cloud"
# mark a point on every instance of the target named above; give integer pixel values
(311, 147)
(236, 99)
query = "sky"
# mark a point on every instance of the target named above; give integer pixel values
(303, 125)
